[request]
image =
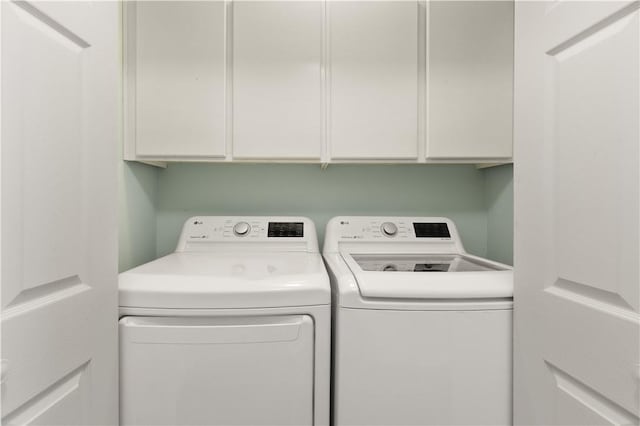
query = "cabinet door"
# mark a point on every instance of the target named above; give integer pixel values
(179, 78)
(277, 84)
(373, 48)
(470, 79)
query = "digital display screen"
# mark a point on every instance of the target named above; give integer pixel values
(286, 229)
(431, 230)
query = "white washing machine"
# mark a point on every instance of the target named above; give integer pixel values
(422, 330)
(231, 329)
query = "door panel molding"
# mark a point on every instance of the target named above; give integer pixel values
(53, 397)
(597, 32)
(45, 23)
(607, 301)
(48, 293)
(604, 408)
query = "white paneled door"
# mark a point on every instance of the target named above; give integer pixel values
(60, 83)
(577, 190)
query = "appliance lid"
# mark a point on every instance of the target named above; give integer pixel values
(422, 263)
(429, 276)
(200, 280)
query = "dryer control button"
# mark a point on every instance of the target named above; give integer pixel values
(241, 229)
(389, 229)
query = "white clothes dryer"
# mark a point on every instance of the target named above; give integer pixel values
(231, 329)
(422, 330)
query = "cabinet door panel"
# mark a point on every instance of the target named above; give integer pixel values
(373, 48)
(277, 82)
(180, 78)
(470, 79)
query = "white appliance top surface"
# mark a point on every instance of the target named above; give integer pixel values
(216, 266)
(232, 280)
(389, 258)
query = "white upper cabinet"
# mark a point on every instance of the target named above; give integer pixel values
(319, 81)
(470, 80)
(373, 80)
(277, 79)
(176, 79)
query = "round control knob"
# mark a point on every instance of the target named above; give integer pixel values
(389, 229)
(241, 229)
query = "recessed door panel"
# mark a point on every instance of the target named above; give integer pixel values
(596, 154)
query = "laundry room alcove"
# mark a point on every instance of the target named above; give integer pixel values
(155, 202)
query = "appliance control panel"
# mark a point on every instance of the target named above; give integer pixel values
(392, 234)
(217, 228)
(391, 229)
(268, 233)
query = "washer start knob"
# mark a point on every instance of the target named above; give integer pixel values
(241, 229)
(389, 229)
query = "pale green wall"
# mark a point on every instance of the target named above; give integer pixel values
(137, 192)
(457, 192)
(155, 202)
(499, 204)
